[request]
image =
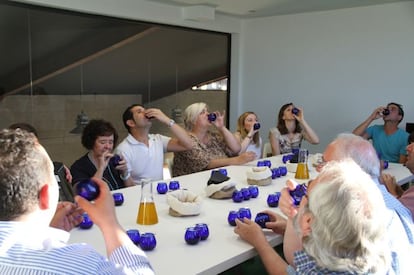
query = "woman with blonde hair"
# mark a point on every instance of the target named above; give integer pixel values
(213, 144)
(247, 134)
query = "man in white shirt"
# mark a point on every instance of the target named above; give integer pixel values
(143, 151)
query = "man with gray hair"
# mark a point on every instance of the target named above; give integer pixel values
(400, 228)
(340, 222)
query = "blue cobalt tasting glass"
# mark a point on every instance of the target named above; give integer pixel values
(114, 161)
(295, 151)
(276, 173)
(203, 231)
(283, 170)
(298, 193)
(273, 199)
(267, 163)
(237, 196)
(86, 223)
(162, 187)
(134, 235)
(295, 111)
(174, 185)
(118, 198)
(232, 216)
(261, 219)
(244, 213)
(87, 189)
(147, 241)
(300, 190)
(261, 163)
(246, 194)
(223, 171)
(212, 117)
(256, 126)
(254, 191)
(192, 235)
(385, 164)
(286, 158)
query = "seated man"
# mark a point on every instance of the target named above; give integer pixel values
(388, 140)
(29, 199)
(400, 225)
(144, 152)
(340, 223)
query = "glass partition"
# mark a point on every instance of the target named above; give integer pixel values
(59, 69)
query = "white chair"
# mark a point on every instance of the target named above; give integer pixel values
(168, 164)
(267, 150)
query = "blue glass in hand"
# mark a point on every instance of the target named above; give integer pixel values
(114, 161)
(261, 219)
(212, 117)
(87, 189)
(295, 111)
(298, 193)
(244, 213)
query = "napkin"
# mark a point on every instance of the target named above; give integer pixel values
(219, 186)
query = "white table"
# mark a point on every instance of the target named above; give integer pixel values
(223, 249)
(400, 172)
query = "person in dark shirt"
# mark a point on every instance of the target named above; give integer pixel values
(99, 138)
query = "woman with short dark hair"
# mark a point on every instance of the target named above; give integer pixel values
(99, 137)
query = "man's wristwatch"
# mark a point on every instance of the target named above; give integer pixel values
(171, 123)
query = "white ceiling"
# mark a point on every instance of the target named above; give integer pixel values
(262, 8)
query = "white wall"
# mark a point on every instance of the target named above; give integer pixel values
(338, 65)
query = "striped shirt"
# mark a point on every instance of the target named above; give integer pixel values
(307, 266)
(30, 249)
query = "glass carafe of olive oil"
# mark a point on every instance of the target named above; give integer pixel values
(147, 213)
(302, 171)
